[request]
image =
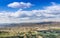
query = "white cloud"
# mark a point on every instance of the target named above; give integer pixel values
(50, 13)
(20, 5)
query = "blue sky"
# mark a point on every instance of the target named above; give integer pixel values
(18, 11)
(38, 4)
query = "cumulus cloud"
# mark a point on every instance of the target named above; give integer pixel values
(49, 13)
(20, 5)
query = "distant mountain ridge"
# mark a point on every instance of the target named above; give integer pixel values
(26, 24)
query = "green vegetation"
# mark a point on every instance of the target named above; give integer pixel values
(51, 33)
